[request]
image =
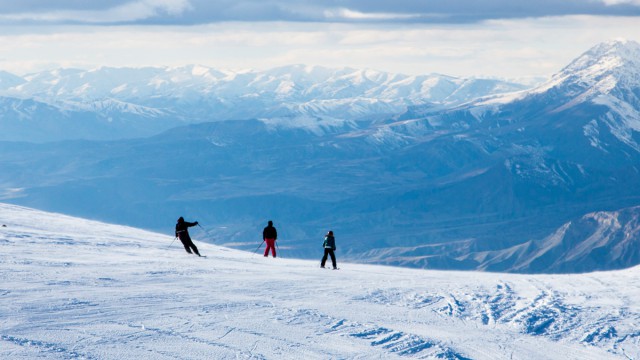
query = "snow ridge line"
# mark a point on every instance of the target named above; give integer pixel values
(43, 346)
(392, 341)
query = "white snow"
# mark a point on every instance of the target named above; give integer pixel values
(73, 288)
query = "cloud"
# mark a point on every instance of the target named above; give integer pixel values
(192, 12)
(501, 48)
(618, 2)
(118, 12)
(346, 14)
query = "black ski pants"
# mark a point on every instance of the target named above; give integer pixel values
(189, 245)
(328, 252)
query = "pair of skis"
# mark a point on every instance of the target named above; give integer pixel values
(324, 267)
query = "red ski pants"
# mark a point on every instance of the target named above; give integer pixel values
(271, 244)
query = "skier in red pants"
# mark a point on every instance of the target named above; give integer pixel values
(270, 235)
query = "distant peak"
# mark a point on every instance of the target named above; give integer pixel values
(620, 47)
(606, 57)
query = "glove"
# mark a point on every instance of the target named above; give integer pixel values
(196, 223)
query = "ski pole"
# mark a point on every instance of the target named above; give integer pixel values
(203, 229)
(174, 239)
(278, 248)
(258, 247)
(213, 238)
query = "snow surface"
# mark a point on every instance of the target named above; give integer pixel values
(78, 289)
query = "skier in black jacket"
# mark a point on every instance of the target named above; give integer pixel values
(329, 246)
(183, 234)
(270, 235)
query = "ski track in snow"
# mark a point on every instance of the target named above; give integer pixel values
(77, 289)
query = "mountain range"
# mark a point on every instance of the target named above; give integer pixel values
(115, 103)
(545, 179)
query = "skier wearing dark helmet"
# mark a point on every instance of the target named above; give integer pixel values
(329, 246)
(183, 234)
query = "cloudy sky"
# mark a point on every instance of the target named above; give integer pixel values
(496, 38)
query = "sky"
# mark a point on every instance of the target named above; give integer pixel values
(512, 39)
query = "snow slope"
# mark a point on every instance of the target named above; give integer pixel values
(78, 289)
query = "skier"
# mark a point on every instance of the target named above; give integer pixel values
(270, 235)
(329, 246)
(183, 234)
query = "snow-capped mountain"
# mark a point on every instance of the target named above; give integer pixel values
(74, 288)
(193, 94)
(608, 75)
(607, 68)
(537, 159)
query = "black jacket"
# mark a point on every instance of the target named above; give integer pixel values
(181, 229)
(329, 242)
(269, 233)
